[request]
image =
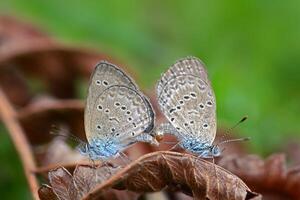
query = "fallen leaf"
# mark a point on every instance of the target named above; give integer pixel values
(38, 118)
(46, 193)
(62, 184)
(197, 177)
(269, 177)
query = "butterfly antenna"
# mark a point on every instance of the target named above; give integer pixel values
(233, 127)
(235, 140)
(241, 121)
(63, 133)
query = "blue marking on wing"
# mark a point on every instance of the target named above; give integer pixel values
(202, 149)
(101, 149)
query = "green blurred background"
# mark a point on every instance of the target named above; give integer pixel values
(251, 49)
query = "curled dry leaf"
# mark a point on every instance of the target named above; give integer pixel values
(197, 177)
(38, 118)
(152, 172)
(16, 35)
(87, 177)
(46, 193)
(64, 186)
(26, 53)
(270, 177)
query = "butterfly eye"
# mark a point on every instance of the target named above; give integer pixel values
(98, 82)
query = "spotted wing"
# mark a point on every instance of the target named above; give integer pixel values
(189, 65)
(104, 76)
(187, 100)
(121, 113)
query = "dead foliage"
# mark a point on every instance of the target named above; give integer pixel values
(151, 173)
(54, 170)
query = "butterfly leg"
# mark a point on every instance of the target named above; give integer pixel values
(175, 146)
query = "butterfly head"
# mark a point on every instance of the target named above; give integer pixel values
(200, 148)
(215, 151)
(211, 151)
(99, 150)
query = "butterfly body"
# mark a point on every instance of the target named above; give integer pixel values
(99, 149)
(202, 149)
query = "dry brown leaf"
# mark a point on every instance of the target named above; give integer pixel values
(32, 54)
(270, 177)
(39, 117)
(197, 177)
(46, 193)
(62, 184)
(154, 172)
(26, 52)
(86, 177)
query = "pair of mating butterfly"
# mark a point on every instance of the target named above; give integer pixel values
(118, 115)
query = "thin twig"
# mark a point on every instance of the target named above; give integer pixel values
(9, 117)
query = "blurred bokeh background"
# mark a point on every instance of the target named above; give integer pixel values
(251, 49)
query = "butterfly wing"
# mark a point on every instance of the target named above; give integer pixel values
(116, 110)
(104, 76)
(187, 100)
(189, 65)
(121, 113)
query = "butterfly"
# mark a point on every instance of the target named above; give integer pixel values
(187, 100)
(117, 114)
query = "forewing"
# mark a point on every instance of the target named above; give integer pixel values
(186, 66)
(121, 113)
(104, 76)
(187, 100)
